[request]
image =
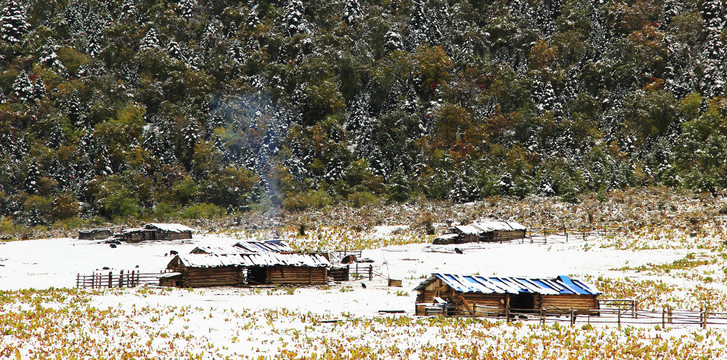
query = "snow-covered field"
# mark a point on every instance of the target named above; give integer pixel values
(343, 320)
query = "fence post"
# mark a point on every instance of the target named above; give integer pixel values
(663, 318)
(121, 278)
(542, 316)
(566, 234)
(78, 280)
(110, 279)
(668, 309)
(706, 314)
(572, 317)
(371, 272)
(619, 318)
(634, 313)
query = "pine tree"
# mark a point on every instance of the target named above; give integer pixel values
(186, 8)
(23, 88)
(393, 41)
(30, 184)
(129, 12)
(150, 40)
(49, 57)
(417, 26)
(174, 50)
(252, 19)
(13, 22)
(713, 53)
(293, 20)
(351, 12)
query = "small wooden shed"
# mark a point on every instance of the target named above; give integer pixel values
(477, 295)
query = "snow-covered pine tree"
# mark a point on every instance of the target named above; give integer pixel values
(39, 90)
(393, 41)
(186, 8)
(30, 184)
(713, 53)
(546, 14)
(150, 40)
(13, 22)
(174, 51)
(95, 38)
(293, 21)
(670, 9)
(351, 12)
(23, 87)
(129, 12)
(417, 26)
(252, 18)
(49, 57)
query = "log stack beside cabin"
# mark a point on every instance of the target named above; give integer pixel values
(477, 295)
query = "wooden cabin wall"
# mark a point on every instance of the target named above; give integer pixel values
(166, 235)
(439, 289)
(566, 302)
(297, 275)
(219, 276)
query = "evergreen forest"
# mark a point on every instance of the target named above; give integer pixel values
(117, 109)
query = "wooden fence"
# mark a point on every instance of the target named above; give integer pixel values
(618, 312)
(121, 279)
(364, 270)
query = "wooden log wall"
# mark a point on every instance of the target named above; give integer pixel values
(297, 275)
(581, 303)
(220, 276)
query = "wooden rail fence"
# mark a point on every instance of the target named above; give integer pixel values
(619, 312)
(123, 278)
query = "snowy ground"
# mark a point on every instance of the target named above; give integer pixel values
(302, 322)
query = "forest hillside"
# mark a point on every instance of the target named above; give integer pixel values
(196, 108)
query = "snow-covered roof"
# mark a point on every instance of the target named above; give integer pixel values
(269, 245)
(488, 225)
(257, 259)
(447, 236)
(169, 227)
(246, 247)
(221, 250)
(511, 285)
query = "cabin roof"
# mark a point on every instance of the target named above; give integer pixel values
(251, 259)
(561, 285)
(487, 225)
(177, 228)
(246, 247)
(269, 245)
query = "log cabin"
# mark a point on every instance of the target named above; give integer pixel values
(156, 231)
(486, 230)
(476, 295)
(238, 265)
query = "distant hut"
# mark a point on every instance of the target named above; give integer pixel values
(478, 295)
(95, 234)
(247, 263)
(169, 231)
(483, 231)
(157, 231)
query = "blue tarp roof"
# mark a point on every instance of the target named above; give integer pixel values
(511, 285)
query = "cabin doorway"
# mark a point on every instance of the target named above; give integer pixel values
(256, 275)
(521, 302)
